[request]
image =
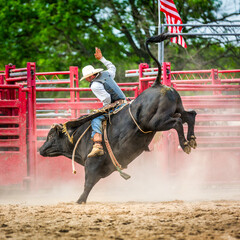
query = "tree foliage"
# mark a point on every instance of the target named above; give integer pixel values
(58, 33)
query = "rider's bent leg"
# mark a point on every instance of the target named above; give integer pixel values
(97, 149)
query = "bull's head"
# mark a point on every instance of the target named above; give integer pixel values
(53, 146)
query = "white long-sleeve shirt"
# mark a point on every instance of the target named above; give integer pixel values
(98, 88)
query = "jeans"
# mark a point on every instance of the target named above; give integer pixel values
(97, 125)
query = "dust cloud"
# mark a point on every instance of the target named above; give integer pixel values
(152, 180)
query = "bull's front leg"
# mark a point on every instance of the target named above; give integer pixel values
(92, 176)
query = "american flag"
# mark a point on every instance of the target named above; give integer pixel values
(172, 17)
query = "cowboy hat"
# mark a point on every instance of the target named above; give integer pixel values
(89, 70)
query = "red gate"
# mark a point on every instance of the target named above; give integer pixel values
(13, 145)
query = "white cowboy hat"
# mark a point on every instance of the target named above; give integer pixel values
(89, 70)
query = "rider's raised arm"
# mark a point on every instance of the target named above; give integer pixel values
(110, 67)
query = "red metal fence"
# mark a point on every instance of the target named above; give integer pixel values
(213, 93)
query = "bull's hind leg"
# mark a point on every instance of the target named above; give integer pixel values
(182, 140)
(189, 118)
(92, 176)
(176, 123)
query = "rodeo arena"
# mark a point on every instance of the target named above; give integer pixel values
(168, 186)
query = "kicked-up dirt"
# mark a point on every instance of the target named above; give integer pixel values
(128, 220)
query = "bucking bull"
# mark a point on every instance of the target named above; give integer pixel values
(158, 108)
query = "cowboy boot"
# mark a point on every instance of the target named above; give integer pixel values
(97, 149)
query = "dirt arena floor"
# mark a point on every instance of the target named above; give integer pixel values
(129, 220)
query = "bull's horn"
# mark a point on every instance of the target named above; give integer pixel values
(57, 126)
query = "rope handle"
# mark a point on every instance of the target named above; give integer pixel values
(111, 154)
(113, 158)
(75, 147)
(136, 121)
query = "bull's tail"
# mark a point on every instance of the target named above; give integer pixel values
(158, 39)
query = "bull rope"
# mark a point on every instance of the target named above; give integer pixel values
(136, 121)
(111, 154)
(73, 155)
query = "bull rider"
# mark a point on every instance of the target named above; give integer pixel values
(105, 88)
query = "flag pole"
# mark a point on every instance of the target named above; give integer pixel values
(159, 32)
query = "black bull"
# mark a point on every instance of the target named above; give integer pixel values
(158, 108)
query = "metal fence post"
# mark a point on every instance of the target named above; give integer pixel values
(166, 70)
(1, 90)
(215, 80)
(142, 84)
(31, 109)
(72, 93)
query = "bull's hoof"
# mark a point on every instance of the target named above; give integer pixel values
(81, 202)
(193, 142)
(187, 148)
